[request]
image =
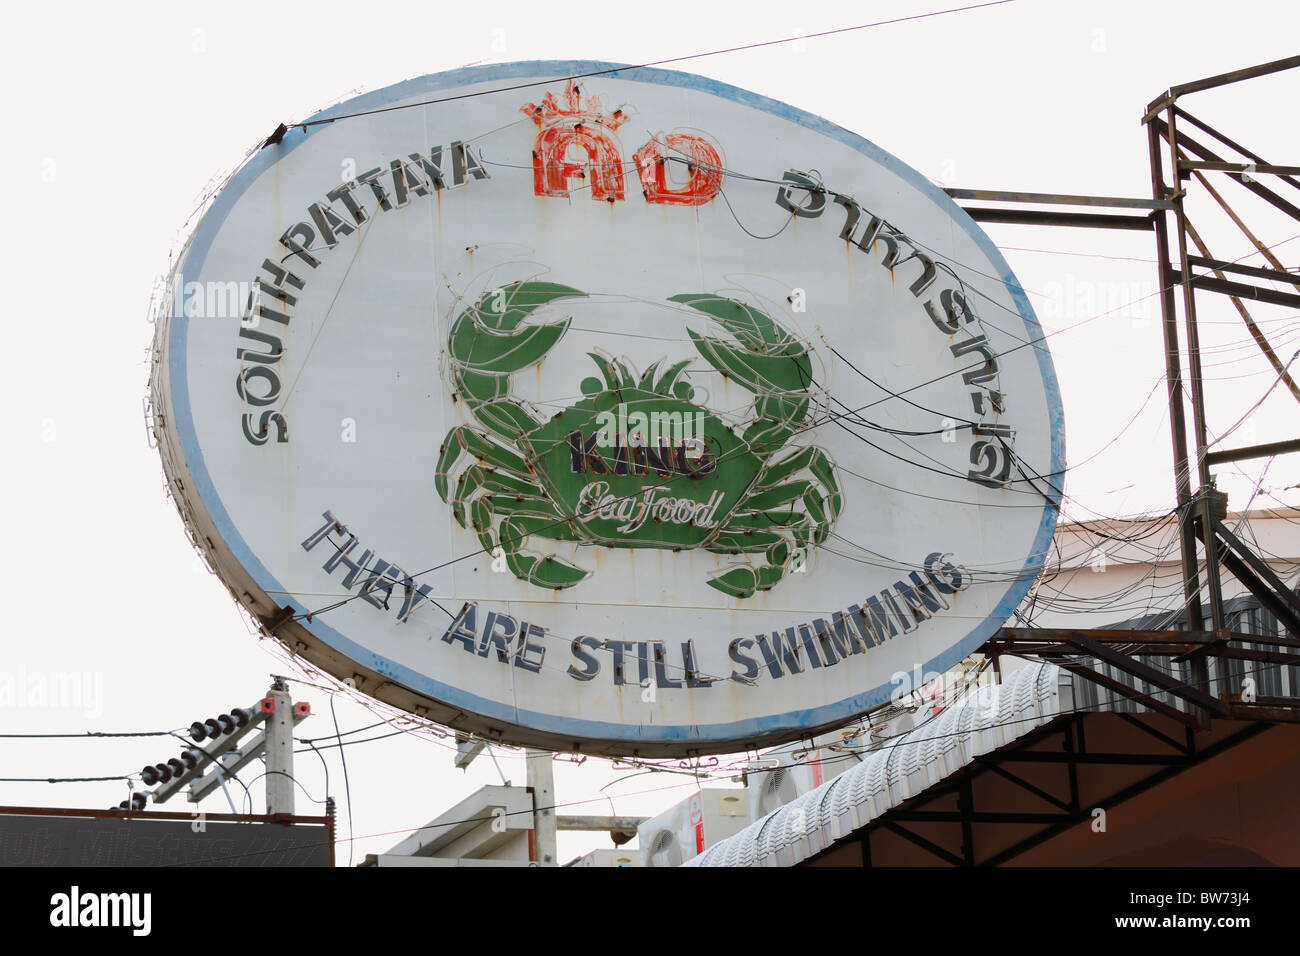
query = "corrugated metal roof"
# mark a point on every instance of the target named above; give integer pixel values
(990, 718)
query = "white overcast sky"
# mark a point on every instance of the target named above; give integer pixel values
(118, 115)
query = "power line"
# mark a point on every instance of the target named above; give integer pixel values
(347, 786)
(63, 779)
(88, 733)
(652, 63)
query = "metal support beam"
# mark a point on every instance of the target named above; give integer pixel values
(1196, 381)
(958, 816)
(1251, 168)
(1174, 392)
(1108, 759)
(1255, 331)
(1166, 99)
(1123, 690)
(1023, 784)
(1254, 271)
(467, 748)
(1115, 799)
(1147, 729)
(968, 814)
(924, 844)
(1018, 637)
(1204, 152)
(1253, 451)
(1239, 290)
(1145, 672)
(1254, 157)
(1039, 217)
(1058, 199)
(1258, 577)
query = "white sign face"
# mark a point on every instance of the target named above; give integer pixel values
(631, 414)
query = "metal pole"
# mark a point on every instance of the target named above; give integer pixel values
(1204, 480)
(1174, 386)
(279, 752)
(541, 781)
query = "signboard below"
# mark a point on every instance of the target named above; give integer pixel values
(41, 837)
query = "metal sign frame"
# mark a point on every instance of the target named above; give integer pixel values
(1201, 507)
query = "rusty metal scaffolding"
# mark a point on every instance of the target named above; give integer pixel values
(1185, 268)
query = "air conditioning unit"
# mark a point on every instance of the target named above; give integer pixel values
(607, 857)
(689, 828)
(893, 727)
(772, 787)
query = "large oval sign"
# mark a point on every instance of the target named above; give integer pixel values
(626, 414)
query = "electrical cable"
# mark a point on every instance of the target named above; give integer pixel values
(87, 734)
(306, 793)
(653, 63)
(347, 787)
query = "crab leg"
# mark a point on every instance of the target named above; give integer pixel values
(506, 419)
(479, 478)
(549, 571)
(801, 509)
(463, 439)
(743, 580)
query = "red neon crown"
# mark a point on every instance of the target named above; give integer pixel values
(551, 113)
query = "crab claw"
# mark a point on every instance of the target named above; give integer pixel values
(763, 357)
(488, 337)
(742, 581)
(549, 571)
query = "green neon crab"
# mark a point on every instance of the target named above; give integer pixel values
(636, 463)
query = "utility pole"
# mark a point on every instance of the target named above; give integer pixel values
(541, 781)
(279, 750)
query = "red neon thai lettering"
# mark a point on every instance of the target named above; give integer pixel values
(576, 142)
(692, 153)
